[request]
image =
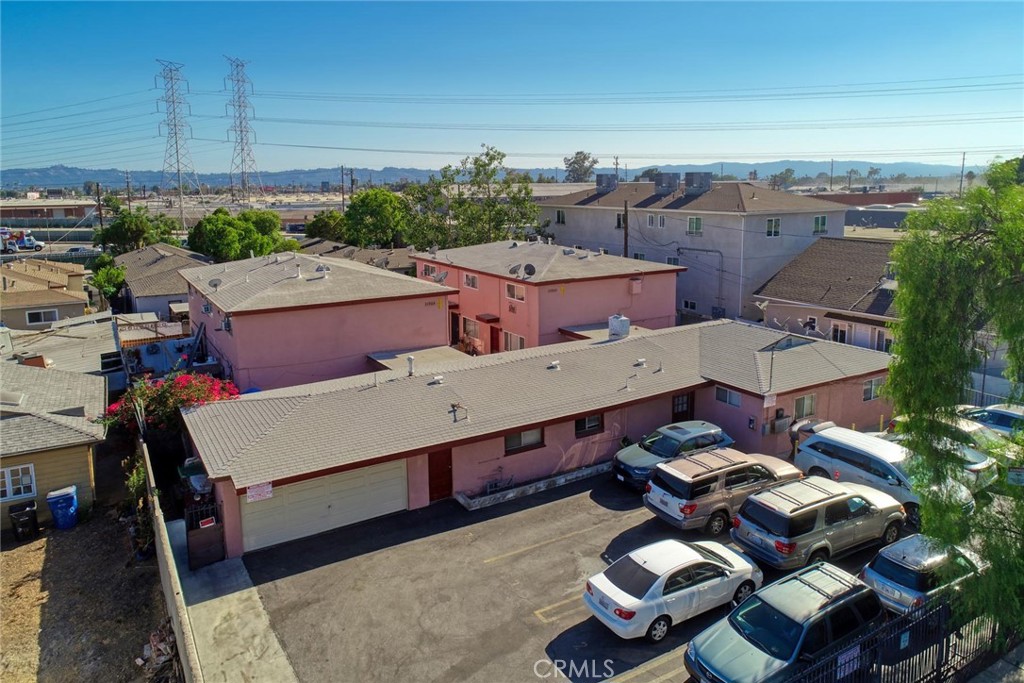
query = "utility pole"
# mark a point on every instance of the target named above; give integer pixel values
(721, 171)
(625, 228)
(616, 168)
(963, 161)
(243, 163)
(99, 204)
(177, 161)
(343, 188)
(128, 188)
(831, 173)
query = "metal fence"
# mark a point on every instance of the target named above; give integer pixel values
(977, 398)
(926, 645)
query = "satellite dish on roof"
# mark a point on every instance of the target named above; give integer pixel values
(215, 282)
(515, 269)
(529, 270)
(439, 277)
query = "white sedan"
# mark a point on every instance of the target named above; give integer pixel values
(665, 583)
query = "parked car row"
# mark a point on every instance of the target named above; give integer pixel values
(845, 491)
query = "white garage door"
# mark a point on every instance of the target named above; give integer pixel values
(310, 507)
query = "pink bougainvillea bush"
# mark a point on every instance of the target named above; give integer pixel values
(158, 402)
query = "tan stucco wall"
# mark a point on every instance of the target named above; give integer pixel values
(16, 318)
(54, 470)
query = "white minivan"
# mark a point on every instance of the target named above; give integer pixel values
(845, 455)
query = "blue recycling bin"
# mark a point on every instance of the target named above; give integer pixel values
(63, 505)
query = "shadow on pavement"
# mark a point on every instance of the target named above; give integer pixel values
(351, 541)
(649, 531)
(613, 495)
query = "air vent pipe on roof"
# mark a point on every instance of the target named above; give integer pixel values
(409, 360)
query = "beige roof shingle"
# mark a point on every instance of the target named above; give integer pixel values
(291, 280)
(724, 197)
(153, 270)
(296, 430)
(41, 297)
(551, 262)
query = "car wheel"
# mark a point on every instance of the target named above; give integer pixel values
(658, 629)
(913, 516)
(39, 248)
(716, 524)
(818, 472)
(818, 556)
(891, 534)
(745, 590)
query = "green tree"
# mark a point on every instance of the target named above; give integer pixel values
(266, 222)
(970, 176)
(108, 281)
(874, 173)
(328, 225)
(377, 216)
(473, 203)
(647, 175)
(89, 188)
(112, 203)
(961, 271)
(132, 230)
(541, 178)
(224, 237)
(579, 167)
(784, 179)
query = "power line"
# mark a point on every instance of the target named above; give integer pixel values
(76, 104)
(243, 163)
(80, 113)
(177, 163)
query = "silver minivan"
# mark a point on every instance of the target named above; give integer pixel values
(848, 456)
(705, 490)
(814, 519)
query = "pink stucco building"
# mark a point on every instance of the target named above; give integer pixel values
(285, 466)
(287, 319)
(518, 295)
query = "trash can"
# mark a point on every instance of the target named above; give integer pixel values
(64, 506)
(24, 520)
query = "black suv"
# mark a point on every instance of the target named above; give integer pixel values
(787, 626)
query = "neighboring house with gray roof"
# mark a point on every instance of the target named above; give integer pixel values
(285, 319)
(151, 280)
(731, 235)
(33, 306)
(297, 461)
(46, 417)
(838, 289)
(520, 294)
(395, 260)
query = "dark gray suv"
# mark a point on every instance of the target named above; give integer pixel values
(785, 627)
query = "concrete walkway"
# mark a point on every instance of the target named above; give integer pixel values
(232, 631)
(1009, 669)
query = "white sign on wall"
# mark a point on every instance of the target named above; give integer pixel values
(256, 492)
(769, 400)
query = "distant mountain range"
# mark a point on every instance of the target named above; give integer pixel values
(72, 177)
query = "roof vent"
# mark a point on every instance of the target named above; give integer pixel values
(554, 365)
(438, 380)
(640, 363)
(568, 252)
(665, 184)
(697, 184)
(607, 182)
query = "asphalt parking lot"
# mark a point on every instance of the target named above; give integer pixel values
(494, 596)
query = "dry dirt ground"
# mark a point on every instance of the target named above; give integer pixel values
(75, 605)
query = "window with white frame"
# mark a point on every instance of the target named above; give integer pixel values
(531, 438)
(514, 291)
(694, 225)
(661, 221)
(618, 221)
(650, 220)
(819, 225)
(804, 406)
(729, 396)
(513, 342)
(470, 281)
(639, 256)
(560, 217)
(429, 269)
(842, 333)
(18, 481)
(689, 305)
(672, 260)
(591, 424)
(470, 328)
(883, 342)
(773, 227)
(41, 317)
(873, 388)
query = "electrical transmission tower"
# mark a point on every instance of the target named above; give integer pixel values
(178, 167)
(243, 164)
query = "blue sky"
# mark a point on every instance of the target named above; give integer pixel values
(746, 78)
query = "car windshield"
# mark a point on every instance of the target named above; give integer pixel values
(630, 576)
(706, 554)
(767, 628)
(660, 445)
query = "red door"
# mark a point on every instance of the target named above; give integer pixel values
(439, 474)
(495, 340)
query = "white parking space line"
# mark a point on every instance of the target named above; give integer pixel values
(667, 663)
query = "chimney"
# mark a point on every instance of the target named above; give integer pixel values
(697, 184)
(607, 182)
(665, 184)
